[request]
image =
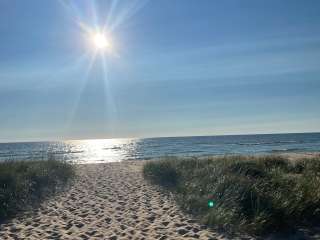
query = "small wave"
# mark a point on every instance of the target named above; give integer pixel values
(249, 144)
(190, 151)
(64, 152)
(36, 154)
(286, 142)
(267, 143)
(112, 148)
(7, 155)
(288, 150)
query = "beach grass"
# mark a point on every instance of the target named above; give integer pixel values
(256, 195)
(26, 183)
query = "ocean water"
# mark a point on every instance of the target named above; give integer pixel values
(110, 150)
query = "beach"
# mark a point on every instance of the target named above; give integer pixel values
(114, 201)
(108, 201)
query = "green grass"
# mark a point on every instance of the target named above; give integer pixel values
(253, 194)
(25, 183)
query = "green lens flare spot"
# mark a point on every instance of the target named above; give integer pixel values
(211, 203)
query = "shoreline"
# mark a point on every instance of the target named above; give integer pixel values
(289, 155)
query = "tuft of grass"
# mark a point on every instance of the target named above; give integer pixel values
(25, 183)
(163, 173)
(253, 194)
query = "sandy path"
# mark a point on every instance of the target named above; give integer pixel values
(108, 201)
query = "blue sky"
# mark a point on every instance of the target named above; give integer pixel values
(177, 68)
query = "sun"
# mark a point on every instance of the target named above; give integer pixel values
(100, 41)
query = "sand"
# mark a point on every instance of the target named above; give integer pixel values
(108, 201)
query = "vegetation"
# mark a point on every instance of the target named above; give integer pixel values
(252, 194)
(26, 183)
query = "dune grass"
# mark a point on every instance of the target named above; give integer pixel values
(257, 195)
(25, 183)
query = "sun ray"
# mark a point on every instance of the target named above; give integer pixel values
(127, 13)
(81, 86)
(110, 14)
(102, 47)
(94, 13)
(75, 13)
(110, 103)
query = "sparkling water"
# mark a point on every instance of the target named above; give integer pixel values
(110, 150)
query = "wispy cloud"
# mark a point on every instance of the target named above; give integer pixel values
(238, 60)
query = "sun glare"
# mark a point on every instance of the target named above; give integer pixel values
(100, 41)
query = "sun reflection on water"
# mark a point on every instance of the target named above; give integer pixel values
(103, 150)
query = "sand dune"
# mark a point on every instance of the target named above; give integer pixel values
(108, 201)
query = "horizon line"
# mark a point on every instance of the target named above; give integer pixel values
(181, 136)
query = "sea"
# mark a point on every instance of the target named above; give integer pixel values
(114, 150)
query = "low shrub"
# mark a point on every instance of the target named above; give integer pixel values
(252, 194)
(26, 183)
